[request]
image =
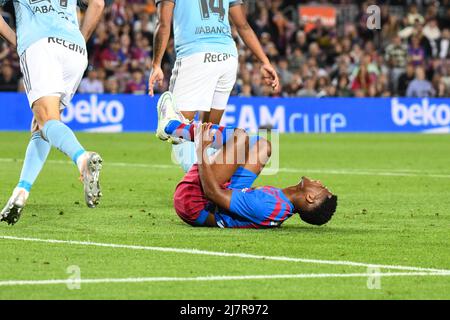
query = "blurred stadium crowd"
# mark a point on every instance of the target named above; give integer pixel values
(408, 56)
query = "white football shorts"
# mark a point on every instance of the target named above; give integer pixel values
(203, 81)
(53, 67)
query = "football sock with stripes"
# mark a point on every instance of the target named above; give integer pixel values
(62, 137)
(178, 129)
(35, 157)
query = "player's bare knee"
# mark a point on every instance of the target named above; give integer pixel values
(35, 127)
(265, 147)
(241, 139)
(46, 109)
(264, 150)
(43, 116)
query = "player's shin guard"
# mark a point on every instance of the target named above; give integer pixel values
(178, 129)
(62, 137)
(35, 157)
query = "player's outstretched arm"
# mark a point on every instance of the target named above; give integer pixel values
(91, 17)
(160, 41)
(239, 20)
(211, 188)
(7, 33)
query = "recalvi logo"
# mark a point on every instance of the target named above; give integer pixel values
(424, 114)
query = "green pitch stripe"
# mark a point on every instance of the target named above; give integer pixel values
(224, 254)
(356, 172)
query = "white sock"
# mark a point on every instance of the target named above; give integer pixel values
(80, 161)
(184, 155)
(21, 195)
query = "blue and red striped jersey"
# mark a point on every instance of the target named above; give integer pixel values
(264, 207)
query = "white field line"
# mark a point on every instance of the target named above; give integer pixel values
(219, 278)
(357, 172)
(366, 173)
(225, 254)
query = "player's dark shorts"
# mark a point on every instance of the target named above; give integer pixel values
(190, 202)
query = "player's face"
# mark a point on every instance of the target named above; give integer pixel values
(308, 184)
(313, 190)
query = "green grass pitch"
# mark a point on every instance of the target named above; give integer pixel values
(394, 209)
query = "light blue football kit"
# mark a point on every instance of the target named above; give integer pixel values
(53, 58)
(206, 67)
(199, 26)
(38, 19)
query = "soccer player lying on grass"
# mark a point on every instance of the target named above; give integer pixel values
(218, 192)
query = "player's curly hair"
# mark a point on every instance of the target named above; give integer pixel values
(322, 213)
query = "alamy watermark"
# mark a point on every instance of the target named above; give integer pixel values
(374, 17)
(374, 279)
(74, 280)
(262, 148)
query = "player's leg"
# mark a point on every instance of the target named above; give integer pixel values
(260, 151)
(89, 163)
(241, 160)
(60, 136)
(179, 128)
(204, 117)
(35, 157)
(183, 130)
(43, 66)
(172, 124)
(232, 155)
(54, 73)
(189, 200)
(189, 115)
(231, 171)
(192, 84)
(227, 70)
(235, 148)
(38, 148)
(214, 116)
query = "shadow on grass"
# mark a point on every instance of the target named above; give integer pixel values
(328, 230)
(284, 230)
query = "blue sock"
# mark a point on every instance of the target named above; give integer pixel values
(178, 129)
(62, 137)
(35, 157)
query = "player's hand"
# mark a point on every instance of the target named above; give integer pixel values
(203, 136)
(156, 76)
(270, 77)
